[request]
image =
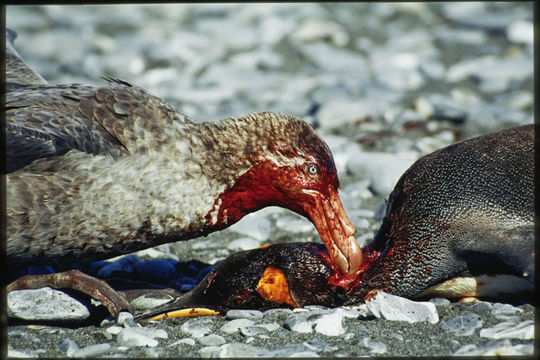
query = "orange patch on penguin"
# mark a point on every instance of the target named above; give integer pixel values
(273, 287)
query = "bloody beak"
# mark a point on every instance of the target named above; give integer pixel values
(335, 229)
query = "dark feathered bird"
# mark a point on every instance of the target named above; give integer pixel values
(459, 223)
(95, 172)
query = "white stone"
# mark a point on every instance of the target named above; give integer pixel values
(19, 354)
(499, 348)
(254, 226)
(391, 307)
(233, 326)
(211, 340)
(311, 30)
(336, 113)
(510, 330)
(197, 327)
(374, 346)
(244, 243)
(330, 324)
(463, 325)
(363, 163)
(521, 31)
(150, 300)
(93, 351)
(501, 311)
(128, 337)
(294, 224)
(186, 341)
(45, 304)
(385, 177)
(244, 314)
(299, 322)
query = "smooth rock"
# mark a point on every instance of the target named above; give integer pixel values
(252, 330)
(502, 311)
(254, 226)
(234, 349)
(440, 301)
(463, 325)
(300, 323)
(334, 114)
(68, 346)
(150, 300)
(509, 329)
(45, 304)
(383, 180)
(374, 346)
(294, 224)
(140, 336)
(244, 314)
(212, 340)
(330, 324)
(291, 350)
(129, 338)
(520, 31)
(92, 350)
(115, 330)
(244, 243)
(197, 327)
(364, 163)
(233, 326)
(123, 318)
(19, 354)
(391, 307)
(311, 30)
(186, 341)
(498, 348)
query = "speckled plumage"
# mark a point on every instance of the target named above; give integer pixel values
(461, 211)
(94, 172)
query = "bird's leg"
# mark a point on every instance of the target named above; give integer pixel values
(74, 279)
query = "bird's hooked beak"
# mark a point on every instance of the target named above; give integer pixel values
(335, 229)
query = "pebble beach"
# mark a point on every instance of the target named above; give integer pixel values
(382, 83)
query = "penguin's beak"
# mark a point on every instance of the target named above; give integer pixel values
(335, 229)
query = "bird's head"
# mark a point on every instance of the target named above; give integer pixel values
(291, 167)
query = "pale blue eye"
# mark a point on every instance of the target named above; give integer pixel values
(312, 170)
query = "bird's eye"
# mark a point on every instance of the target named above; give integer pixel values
(312, 170)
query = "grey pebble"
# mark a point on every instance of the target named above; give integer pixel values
(499, 348)
(291, 350)
(374, 346)
(150, 300)
(244, 314)
(300, 323)
(502, 311)
(92, 350)
(440, 301)
(140, 336)
(68, 346)
(124, 317)
(45, 304)
(197, 327)
(186, 341)
(391, 307)
(231, 350)
(463, 325)
(212, 339)
(510, 329)
(233, 326)
(330, 324)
